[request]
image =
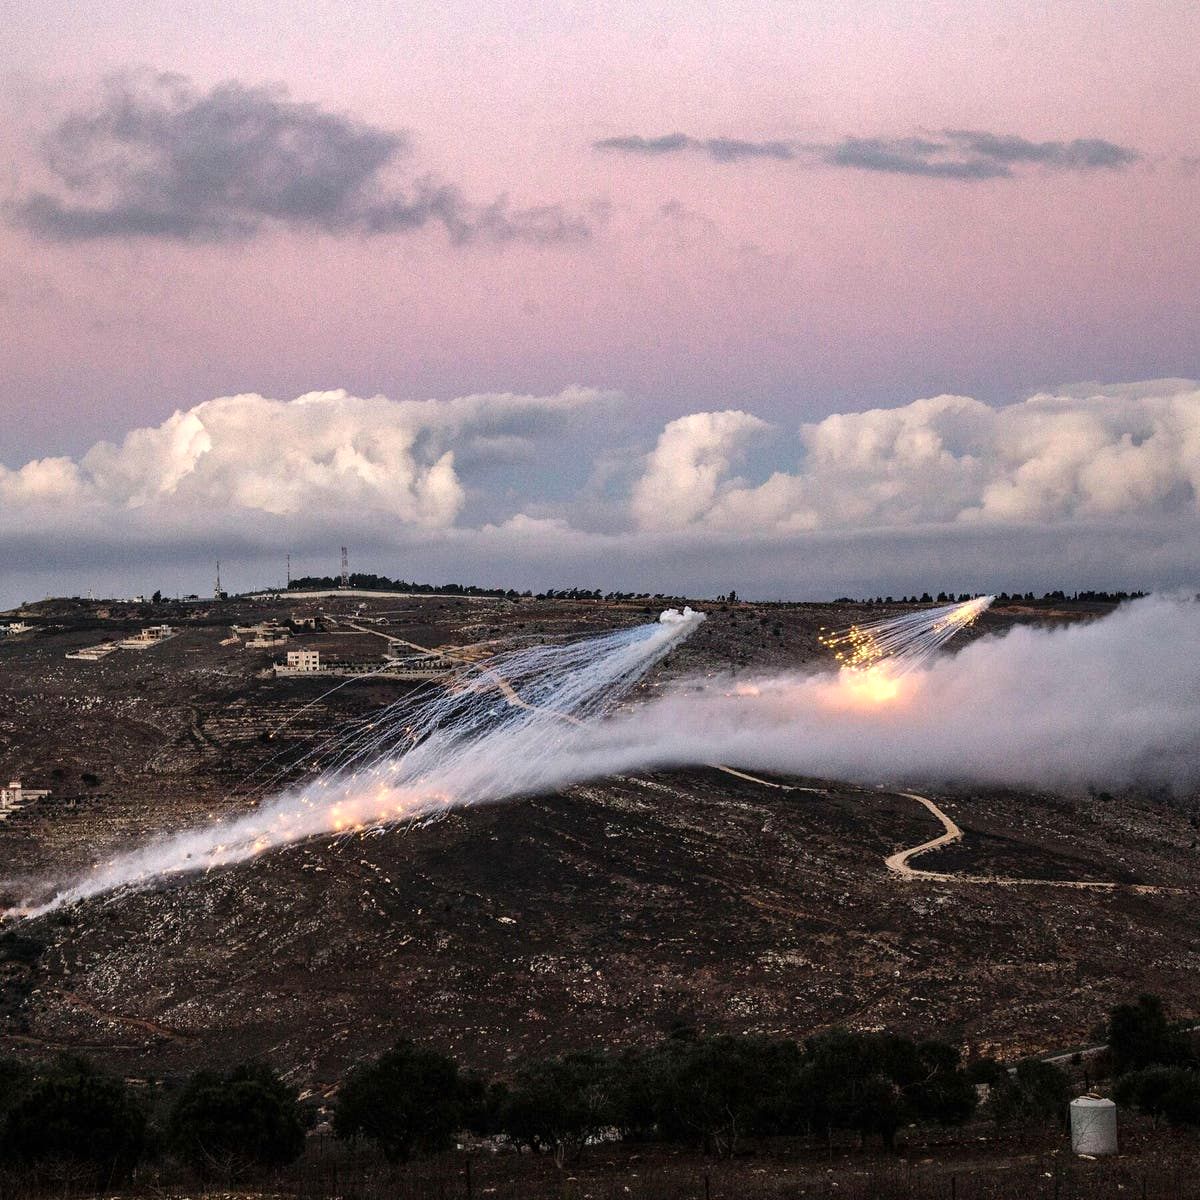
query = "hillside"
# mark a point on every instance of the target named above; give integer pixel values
(605, 914)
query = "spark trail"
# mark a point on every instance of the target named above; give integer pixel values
(906, 642)
(490, 733)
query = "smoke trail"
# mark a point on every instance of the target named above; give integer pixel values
(1108, 703)
(906, 642)
(495, 731)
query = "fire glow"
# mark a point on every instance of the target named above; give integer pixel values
(489, 734)
(1110, 703)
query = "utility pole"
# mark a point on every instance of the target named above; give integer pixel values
(289, 570)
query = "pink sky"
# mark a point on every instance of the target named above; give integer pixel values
(792, 289)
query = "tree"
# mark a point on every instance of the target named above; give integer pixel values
(411, 1099)
(14, 1082)
(1140, 1035)
(718, 1090)
(634, 1095)
(76, 1115)
(856, 1081)
(873, 1083)
(1172, 1093)
(229, 1125)
(559, 1103)
(1036, 1092)
(944, 1094)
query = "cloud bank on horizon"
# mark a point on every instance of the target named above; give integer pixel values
(1099, 483)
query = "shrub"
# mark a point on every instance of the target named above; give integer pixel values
(75, 1115)
(409, 1100)
(20, 948)
(1170, 1093)
(559, 1103)
(229, 1125)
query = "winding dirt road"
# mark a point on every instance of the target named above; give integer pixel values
(898, 864)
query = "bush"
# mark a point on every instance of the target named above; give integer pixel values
(409, 1100)
(75, 1115)
(1170, 1093)
(229, 1125)
(20, 948)
(1035, 1092)
(559, 1103)
(1140, 1035)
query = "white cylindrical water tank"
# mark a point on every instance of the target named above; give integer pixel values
(1093, 1126)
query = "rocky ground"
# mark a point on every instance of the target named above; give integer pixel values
(601, 915)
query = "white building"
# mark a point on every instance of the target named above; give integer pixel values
(301, 662)
(152, 635)
(15, 796)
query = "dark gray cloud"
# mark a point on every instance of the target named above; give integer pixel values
(667, 143)
(155, 158)
(1081, 154)
(724, 150)
(954, 154)
(911, 156)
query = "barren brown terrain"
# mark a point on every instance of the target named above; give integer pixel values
(601, 915)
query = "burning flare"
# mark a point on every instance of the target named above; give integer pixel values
(905, 642)
(490, 733)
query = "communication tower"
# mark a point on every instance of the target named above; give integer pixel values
(345, 569)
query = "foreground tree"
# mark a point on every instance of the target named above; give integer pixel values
(1164, 1093)
(15, 1079)
(410, 1100)
(75, 1116)
(1140, 1035)
(559, 1103)
(1035, 1092)
(718, 1090)
(233, 1124)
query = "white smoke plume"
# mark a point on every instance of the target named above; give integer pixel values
(1108, 703)
(496, 730)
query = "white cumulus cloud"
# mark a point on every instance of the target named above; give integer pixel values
(1083, 487)
(688, 467)
(1053, 457)
(323, 452)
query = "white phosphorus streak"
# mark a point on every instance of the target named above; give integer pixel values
(488, 734)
